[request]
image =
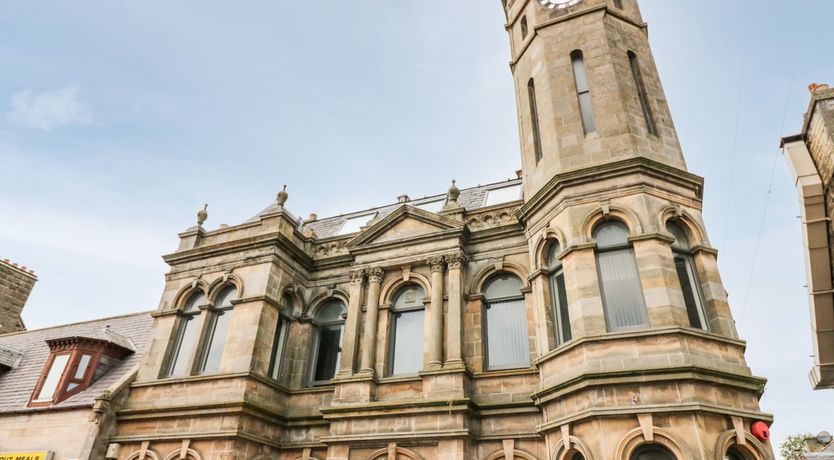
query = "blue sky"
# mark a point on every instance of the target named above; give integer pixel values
(118, 120)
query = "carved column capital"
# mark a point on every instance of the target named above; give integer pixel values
(357, 276)
(437, 263)
(455, 260)
(375, 275)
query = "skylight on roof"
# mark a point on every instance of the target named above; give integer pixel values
(354, 224)
(503, 195)
(432, 206)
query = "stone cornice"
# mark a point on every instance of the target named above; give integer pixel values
(637, 165)
(266, 240)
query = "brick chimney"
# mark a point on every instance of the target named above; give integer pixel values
(16, 283)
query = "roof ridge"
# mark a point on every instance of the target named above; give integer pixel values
(126, 315)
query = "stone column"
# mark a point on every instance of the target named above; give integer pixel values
(371, 319)
(349, 345)
(454, 326)
(434, 334)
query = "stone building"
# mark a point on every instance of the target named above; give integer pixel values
(16, 283)
(575, 313)
(60, 386)
(810, 155)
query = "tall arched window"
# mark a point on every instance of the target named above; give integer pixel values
(734, 453)
(221, 314)
(534, 119)
(652, 452)
(690, 287)
(642, 95)
(327, 348)
(405, 354)
(505, 324)
(279, 341)
(185, 343)
(619, 279)
(583, 92)
(561, 315)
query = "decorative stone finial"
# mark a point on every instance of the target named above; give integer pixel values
(452, 196)
(282, 197)
(202, 215)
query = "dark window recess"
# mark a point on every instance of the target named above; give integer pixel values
(642, 94)
(583, 92)
(534, 120)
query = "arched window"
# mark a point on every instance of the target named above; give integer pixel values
(642, 95)
(619, 279)
(279, 341)
(534, 119)
(327, 349)
(733, 453)
(220, 318)
(505, 324)
(561, 315)
(583, 92)
(185, 343)
(690, 287)
(406, 338)
(652, 452)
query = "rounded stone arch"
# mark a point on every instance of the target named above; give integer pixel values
(217, 286)
(477, 285)
(562, 452)
(321, 298)
(613, 212)
(382, 454)
(516, 454)
(544, 243)
(754, 449)
(694, 230)
(187, 291)
(393, 285)
(635, 438)
(190, 454)
(296, 293)
(149, 455)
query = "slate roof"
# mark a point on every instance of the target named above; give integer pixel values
(18, 383)
(470, 198)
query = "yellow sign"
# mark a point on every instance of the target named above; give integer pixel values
(25, 455)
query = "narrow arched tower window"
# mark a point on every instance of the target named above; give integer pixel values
(690, 287)
(279, 341)
(534, 119)
(641, 93)
(185, 342)
(619, 279)
(506, 324)
(327, 348)
(406, 341)
(583, 92)
(559, 295)
(218, 330)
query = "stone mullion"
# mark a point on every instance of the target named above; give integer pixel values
(454, 325)
(546, 339)
(350, 341)
(716, 306)
(584, 296)
(371, 320)
(659, 281)
(434, 336)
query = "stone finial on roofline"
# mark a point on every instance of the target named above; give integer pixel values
(202, 215)
(452, 197)
(282, 196)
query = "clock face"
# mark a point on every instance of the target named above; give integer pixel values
(557, 4)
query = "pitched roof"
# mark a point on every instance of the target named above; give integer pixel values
(470, 198)
(18, 383)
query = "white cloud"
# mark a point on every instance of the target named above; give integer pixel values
(49, 109)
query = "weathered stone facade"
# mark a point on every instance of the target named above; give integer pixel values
(589, 388)
(811, 157)
(16, 283)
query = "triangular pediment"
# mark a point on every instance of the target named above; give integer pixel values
(406, 223)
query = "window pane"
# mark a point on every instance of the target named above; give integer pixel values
(278, 349)
(503, 286)
(611, 234)
(409, 297)
(579, 72)
(641, 93)
(534, 119)
(329, 352)
(217, 341)
(53, 377)
(507, 334)
(561, 305)
(225, 298)
(195, 301)
(408, 342)
(83, 363)
(690, 297)
(553, 255)
(621, 289)
(503, 195)
(587, 112)
(681, 240)
(330, 312)
(185, 347)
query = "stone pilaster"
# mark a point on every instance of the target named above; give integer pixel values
(584, 297)
(454, 324)
(375, 276)
(349, 343)
(434, 332)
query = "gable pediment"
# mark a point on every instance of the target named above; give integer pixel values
(406, 223)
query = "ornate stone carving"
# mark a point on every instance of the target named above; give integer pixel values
(375, 275)
(455, 260)
(357, 277)
(437, 263)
